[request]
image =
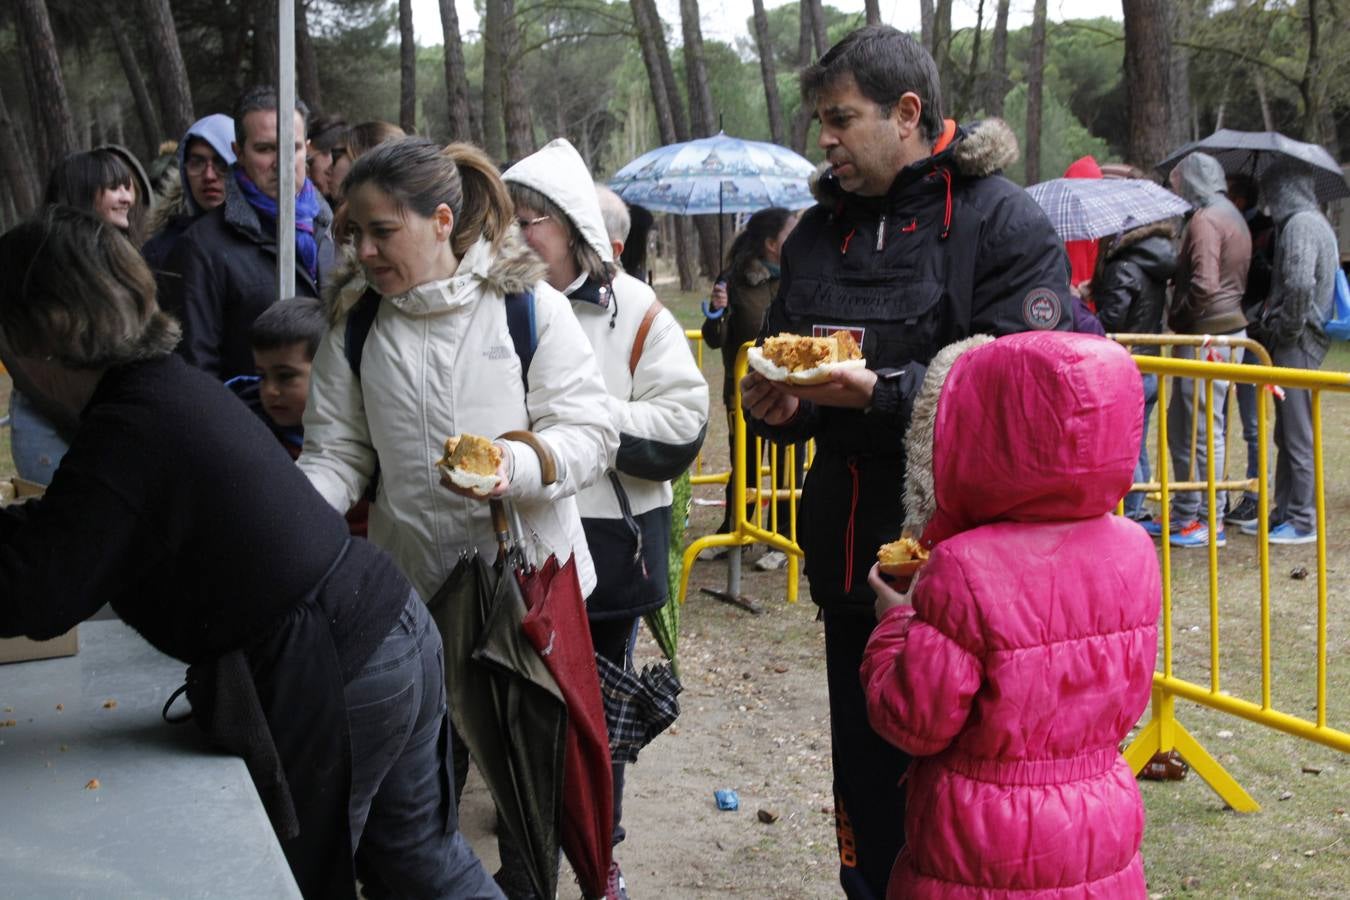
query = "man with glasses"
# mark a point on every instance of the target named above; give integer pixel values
(204, 160)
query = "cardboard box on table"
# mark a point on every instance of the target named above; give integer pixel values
(17, 490)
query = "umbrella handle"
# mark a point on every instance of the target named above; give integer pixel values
(711, 313)
(548, 469)
(501, 526)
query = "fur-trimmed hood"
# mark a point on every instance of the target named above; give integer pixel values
(1030, 427)
(171, 205)
(984, 148)
(512, 269)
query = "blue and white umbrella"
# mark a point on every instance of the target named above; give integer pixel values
(718, 174)
(1088, 208)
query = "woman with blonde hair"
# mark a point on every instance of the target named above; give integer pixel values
(438, 251)
(355, 143)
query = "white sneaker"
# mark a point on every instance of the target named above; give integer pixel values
(771, 561)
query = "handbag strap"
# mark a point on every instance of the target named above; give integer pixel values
(640, 339)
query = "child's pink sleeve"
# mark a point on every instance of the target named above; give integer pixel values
(919, 680)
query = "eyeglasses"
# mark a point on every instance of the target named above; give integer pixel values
(196, 165)
(527, 224)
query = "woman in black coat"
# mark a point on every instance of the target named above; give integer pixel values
(309, 654)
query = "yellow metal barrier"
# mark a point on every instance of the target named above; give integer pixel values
(1163, 732)
(695, 338)
(745, 530)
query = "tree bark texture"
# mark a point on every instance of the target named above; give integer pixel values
(926, 14)
(145, 109)
(494, 111)
(801, 122)
(1310, 87)
(942, 47)
(407, 69)
(458, 119)
(971, 79)
(266, 66)
(1147, 63)
(306, 65)
(872, 11)
(47, 95)
(1182, 14)
(12, 159)
(515, 103)
(1035, 90)
(818, 30)
(769, 70)
(702, 122)
(997, 85)
(175, 94)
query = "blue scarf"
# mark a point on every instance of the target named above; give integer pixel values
(306, 208)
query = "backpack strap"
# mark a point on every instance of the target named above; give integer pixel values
(640, 339)
(520, 322)
(359, 322)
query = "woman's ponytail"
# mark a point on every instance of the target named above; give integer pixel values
(486, 209)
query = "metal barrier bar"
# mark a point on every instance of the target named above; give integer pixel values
(1163, 732)
(695, 338)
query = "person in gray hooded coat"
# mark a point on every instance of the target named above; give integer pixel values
(1211, 276)
(1290, 324)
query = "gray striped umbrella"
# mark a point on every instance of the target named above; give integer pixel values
(1086, 208)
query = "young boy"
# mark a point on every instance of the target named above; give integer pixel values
(284, 340)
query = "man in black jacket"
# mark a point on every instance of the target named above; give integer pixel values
(222, 272)
(916, 242)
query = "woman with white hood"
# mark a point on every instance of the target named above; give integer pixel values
(657, 396)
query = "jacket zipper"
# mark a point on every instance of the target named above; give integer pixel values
(848, 532)
(881, 233)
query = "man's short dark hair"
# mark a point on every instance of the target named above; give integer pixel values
(294, 320)
(260, 96)
(886, 64)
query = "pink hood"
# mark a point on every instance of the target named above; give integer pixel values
(1061, 416)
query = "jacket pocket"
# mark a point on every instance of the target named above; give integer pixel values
(899, 314)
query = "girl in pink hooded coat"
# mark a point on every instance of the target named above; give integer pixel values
(1028, 652)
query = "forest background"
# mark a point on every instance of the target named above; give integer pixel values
(617, 79)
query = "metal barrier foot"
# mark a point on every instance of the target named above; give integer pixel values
(1163, 734)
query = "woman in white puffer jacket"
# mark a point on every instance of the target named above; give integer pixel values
(434, 234)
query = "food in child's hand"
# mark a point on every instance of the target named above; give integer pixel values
(902, 557)
(798, 359)
(471, 462)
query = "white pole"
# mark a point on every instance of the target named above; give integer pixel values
(285, 148)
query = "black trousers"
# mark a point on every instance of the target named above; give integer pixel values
(869, 800)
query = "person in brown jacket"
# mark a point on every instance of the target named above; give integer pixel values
(737, 306)
(1211, 276)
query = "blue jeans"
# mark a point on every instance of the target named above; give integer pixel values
(1189, 506)
(405, 826)
(34, 441)
(1247, 397)
(1134, 501)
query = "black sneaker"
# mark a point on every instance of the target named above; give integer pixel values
(1242, 514)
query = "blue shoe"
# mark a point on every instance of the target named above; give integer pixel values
(1251, 527)
(1153, 527)
(1286, 533)
(1196, 534)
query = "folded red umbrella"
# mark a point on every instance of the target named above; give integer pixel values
(556, 626)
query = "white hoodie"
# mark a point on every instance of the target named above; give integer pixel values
(439, 361)
(661, 408)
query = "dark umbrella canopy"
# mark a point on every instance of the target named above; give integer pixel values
(638, 705)
(506, 705)
(1252, 152)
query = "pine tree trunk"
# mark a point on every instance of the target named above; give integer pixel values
(407, 69)
(145, 109)
(1310, 86)
(516, 105)
(769, 70)
(1263, 99)
(306, 64)
(801, 122)
(998, 63)
(1179, 73)
(942, 46)
(48, 94)
(872, 10)
(41, 155)
(926, 15)
(1035, 87)
(266, 67)
(12, 160)
(494, 112)
(972, 76)
(459, 120)
(669, 115)
(702, 122)
(170, 76)
(818, 30)
(1147, 55)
